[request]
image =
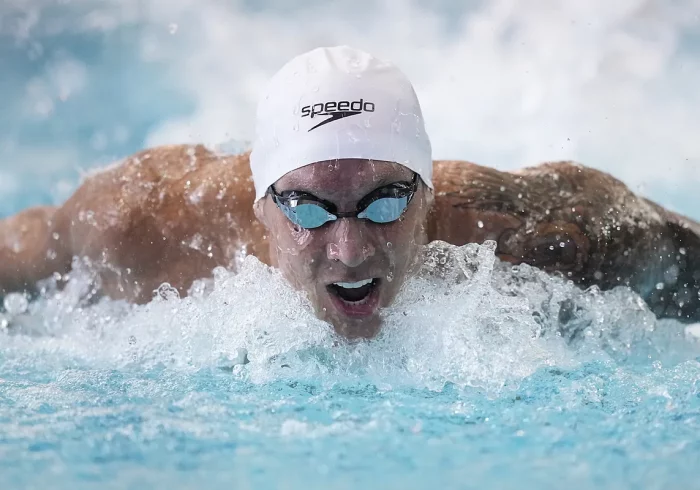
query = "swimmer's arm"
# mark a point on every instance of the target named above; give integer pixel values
(28, 250)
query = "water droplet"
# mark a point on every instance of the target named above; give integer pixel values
(659, 286)
(132, 340)
(480, 224)
(551, 247)
(56, 236)
(390, 276)
(562, 244)
(389, 245)
(16, 303)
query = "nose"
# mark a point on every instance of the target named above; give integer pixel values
(349, 242)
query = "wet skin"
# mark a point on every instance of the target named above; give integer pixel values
(173, 213)
(349, 249)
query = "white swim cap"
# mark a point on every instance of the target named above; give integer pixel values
(334, 103)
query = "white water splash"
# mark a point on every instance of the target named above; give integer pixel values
(465, 319)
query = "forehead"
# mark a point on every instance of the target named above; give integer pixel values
(344, 176)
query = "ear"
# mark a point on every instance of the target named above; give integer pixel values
(429, 196)
(259, 210)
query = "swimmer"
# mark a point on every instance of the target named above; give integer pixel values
(340, 192)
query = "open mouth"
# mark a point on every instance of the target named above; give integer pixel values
(356, 299)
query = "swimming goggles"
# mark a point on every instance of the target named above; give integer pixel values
(382, 205)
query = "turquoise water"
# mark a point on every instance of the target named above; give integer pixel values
(481, 379)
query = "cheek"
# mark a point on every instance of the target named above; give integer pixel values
(401, 241)
(299, 252)
(289, 238)
(410, 231)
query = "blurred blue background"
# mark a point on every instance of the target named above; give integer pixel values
(503, 83)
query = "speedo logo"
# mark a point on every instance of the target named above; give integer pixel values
(336, 110)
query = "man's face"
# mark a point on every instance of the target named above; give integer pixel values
(348, 251)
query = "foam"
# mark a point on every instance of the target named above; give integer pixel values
(465, 319)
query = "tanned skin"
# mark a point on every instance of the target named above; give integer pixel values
(174, 213)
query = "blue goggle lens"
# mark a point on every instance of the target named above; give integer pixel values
(307, 215)
(385, 210)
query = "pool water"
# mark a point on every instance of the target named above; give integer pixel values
(485, 376)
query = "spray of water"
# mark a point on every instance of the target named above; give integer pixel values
(465, 319)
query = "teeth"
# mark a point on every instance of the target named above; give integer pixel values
(353, 285)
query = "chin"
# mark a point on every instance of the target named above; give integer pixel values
(358, 329)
